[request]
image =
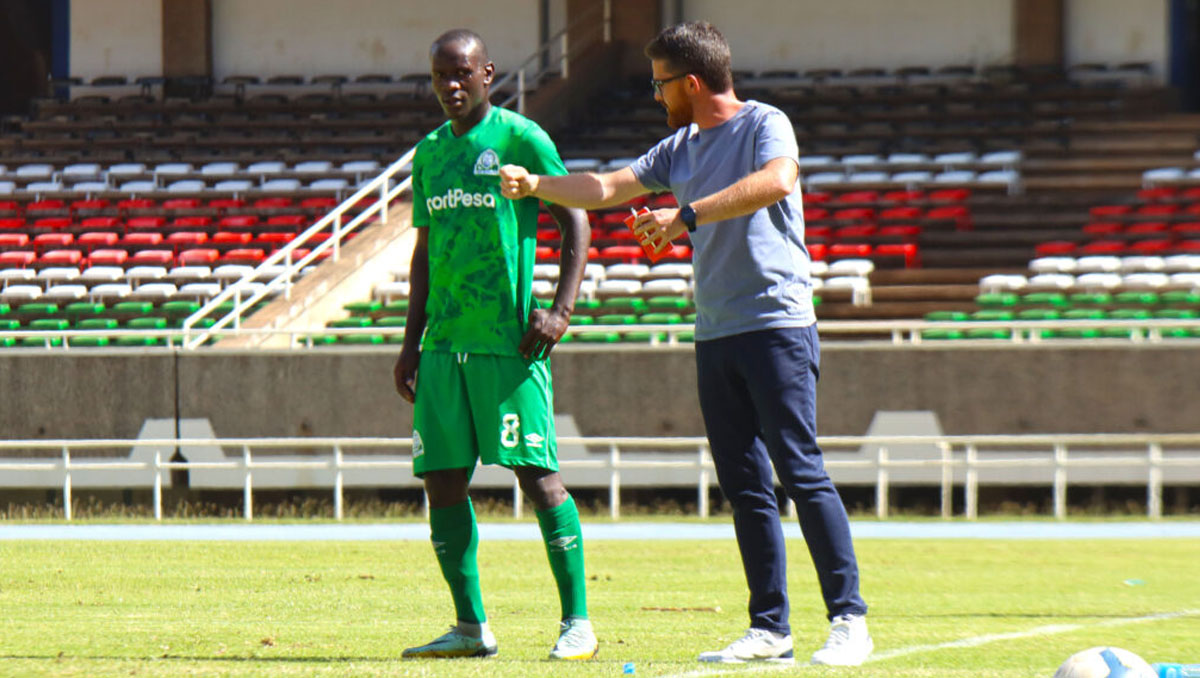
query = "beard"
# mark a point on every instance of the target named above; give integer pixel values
(678, 117)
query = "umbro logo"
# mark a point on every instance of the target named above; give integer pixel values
(564, 543)
(439, 547)
(488, 163)
(418, 446)
(534, 440)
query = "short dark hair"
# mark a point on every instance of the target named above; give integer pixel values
(463, 35)
(695, 47)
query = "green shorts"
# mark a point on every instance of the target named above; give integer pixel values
(480, 407)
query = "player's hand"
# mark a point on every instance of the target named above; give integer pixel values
(546, 327)
(405, 374)
(516, 182)
(659, 227)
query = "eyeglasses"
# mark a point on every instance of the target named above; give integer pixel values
(658, 84)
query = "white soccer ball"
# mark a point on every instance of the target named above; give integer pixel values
(1105, 662)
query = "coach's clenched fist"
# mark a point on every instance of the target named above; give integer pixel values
(516, 182)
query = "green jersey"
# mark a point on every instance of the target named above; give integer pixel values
(481, 245)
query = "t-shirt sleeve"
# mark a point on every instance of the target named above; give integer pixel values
(420, 213)
(653, 169)
(775, 138)
(541, 155)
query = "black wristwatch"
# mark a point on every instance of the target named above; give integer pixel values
(688, 216)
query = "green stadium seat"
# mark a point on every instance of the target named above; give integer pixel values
(90, 342)
(660, 319)
(396, 306)
(6, 342)
(992, 315)
(352, 321)
(1078, 333)
(1139, 298)
(668, 303)
(96, 324)
(391, 321)
(4, 309)
(81, 309)
(10, 324)
(623, 304)
(643, 337)
(1130, 314)
(587, 306)
(1084, 314)
(985, 333)
(1045, 299)
(41, 342)
(995, 299)
(361, 339)
(1176, 313)
(686, 336)
(946, 316)
(616, 319)
(598, 337)
(941, 335)
(323, 339)
(50, 324)
(179, 308)
(582, 320)
(138, 341)
(132, 308)
(690, 318)
(363, 307)
(1038, 314)
(1180, 298)
(150, 322)
(37, 308)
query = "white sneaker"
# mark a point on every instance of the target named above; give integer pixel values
(849, 642)
(455, 644)
(756, 645)
(575, 640)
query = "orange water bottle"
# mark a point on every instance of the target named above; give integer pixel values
(647, 246)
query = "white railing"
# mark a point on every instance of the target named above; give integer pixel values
(896, 332)
(960, 460)
(338, 228)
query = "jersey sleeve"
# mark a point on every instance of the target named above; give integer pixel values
(541, 155)
(420, 213)
(653, 169)
(775, 138)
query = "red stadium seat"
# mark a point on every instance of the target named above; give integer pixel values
(1103, 229)
(1152, 246)
(12, 224)
(544, 253)
(145, 223)
(623, 253)
(60, 258)
(17, 259)
(43, 206)
(10, 207)
(1106, 211)
(858, 198)
(108, 257)
(907, 253)
(136, 205)
(321, 204)
(200, 256)
(1159, 210)
(1103, 247)
(957, 215)
(290, 221)
(817, 251)
(183, 240)
(1188, 246)
(274, 238)
(13, 240)
(903, 196)
(45, 242)
(857, 232)
(1054, 248)
(814, 233)
(898, 233)
(815, 213)
(906, 213)
(243, 255)
(849, 251)
(141, 240)
(949, 195)
(225, 204)
(88, 206)
(1146, 228)
(231, 238)
(853, 214)
(179, 204)
(1156, 194)
(152, 258)
(238, 222)
(53, 223)
(1187, 229)
(93, 240)
(273, 203)
(111, 224)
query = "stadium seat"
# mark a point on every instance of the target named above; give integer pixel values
(108, 257)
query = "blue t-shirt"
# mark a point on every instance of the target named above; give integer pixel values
(751, 272)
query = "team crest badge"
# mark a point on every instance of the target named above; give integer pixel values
(487, 163)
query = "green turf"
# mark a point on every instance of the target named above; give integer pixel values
(348, 609)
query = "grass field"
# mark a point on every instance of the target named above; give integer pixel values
(1008, 609)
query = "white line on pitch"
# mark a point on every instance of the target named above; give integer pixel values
(974, 641)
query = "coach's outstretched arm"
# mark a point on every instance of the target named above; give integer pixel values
(588, 190)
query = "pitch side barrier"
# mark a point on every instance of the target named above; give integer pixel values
(613, 462)
(895, 332)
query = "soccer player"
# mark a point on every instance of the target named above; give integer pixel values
(474, 359)
(734, 168)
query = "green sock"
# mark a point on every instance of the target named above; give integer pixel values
(455, 539)
(564, 548)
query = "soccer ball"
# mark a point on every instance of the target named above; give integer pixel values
(1105, 662)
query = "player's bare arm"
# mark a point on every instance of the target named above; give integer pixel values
(763, 188)
(548, 325)
(588, 190)
(405, 371)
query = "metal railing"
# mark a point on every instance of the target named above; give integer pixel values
(895, 332)
(960, 461)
